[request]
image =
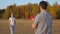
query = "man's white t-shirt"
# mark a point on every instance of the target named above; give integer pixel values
(12, 20)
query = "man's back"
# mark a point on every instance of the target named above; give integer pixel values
(44, 24)
(12, 20)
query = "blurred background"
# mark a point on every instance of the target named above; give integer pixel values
(25, 8)
(22, 10)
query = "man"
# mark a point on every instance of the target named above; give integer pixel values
(12, 23)
(43, 21)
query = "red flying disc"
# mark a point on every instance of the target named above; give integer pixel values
(31, 17)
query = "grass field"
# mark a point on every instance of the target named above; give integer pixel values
(24, 27)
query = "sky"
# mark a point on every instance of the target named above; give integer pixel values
(5, 3)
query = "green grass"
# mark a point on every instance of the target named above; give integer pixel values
(24, 27)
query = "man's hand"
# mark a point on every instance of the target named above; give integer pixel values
(33, 26)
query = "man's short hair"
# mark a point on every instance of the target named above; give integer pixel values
(43, 4)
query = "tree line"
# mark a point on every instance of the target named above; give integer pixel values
(25, 11)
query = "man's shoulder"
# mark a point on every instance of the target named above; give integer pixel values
(10, 18)
(38, 15)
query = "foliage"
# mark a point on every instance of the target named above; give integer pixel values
(25, 11)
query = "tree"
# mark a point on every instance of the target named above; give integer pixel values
(1, 12)
(25, 11)
(35, 9)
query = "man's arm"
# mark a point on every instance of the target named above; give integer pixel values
(34, 25)
(9, 22)
(14, 21)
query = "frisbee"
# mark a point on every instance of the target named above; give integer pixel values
(31, 18)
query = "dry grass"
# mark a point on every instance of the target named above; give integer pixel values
(24, 27)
